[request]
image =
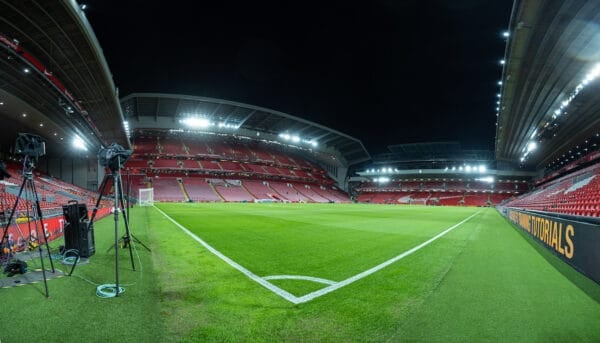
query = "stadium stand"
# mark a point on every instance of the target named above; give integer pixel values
(238, 170)
(259, 189)
(167, 189)
(453, 192)
(574, 194)
(198, 189)
(231, 190)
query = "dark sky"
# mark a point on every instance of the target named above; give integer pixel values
(385, 72)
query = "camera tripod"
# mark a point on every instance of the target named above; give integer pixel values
(36, 214)
(118, 206)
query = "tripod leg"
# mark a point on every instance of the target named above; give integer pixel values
(126, 220)
(41, 217)
(102, 189)
(38, 212)
(116, 217)
(140, 242)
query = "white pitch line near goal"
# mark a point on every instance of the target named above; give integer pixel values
(308, 297)
(282, 293)
(299, 277)
(366, 273)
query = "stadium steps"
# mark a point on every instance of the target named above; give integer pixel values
(217, 192)
(304, 195)
(247, 191)
(182, 187)
(276, 194)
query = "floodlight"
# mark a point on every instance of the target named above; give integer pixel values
(499, 83)
(196, 122)
(460, 168)
(313, 143)
(482, 169)
(26, 70)
(284, 136)
(78, 143)
(295, 139)
(505, 34)
(531, 146)
(454, 168)
(502, 62)
(468, 169)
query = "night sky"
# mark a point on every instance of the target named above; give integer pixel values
(385, 72)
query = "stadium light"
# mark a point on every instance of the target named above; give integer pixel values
(488, 179)
(531, 146)
(78, 143)
(196, 122)
(502, 62)
(482, 169)
(468, 169)
(505, 34)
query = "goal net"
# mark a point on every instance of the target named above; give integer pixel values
(146, 197)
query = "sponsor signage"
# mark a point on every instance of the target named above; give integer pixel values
(575, 242)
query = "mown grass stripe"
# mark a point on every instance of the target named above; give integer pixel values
(282, 293)
(378, 267)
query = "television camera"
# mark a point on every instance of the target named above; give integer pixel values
(114, 156)
(28, 144)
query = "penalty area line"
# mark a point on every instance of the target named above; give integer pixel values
(282, 293)
(336, 286)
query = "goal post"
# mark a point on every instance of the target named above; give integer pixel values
(146, 197)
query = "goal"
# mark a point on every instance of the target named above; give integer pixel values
(146, 197)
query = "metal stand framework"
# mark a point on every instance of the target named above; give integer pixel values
(118, 206)
(36, 214)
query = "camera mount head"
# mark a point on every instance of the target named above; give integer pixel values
(30, 145)
(113, 157)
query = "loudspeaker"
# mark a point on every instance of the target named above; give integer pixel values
(79, 234)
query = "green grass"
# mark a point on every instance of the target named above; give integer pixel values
(483, 281)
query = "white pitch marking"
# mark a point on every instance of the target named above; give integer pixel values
(299, 277)
(323, 291)
(308, 297)
(282, 293)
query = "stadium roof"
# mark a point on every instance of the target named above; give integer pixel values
(435, 151)
(548, 90)
(241, 116)
(52, 68)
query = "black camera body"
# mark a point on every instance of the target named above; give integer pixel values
(31, 145)
(114, 156)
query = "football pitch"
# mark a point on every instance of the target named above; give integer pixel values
(317, 272)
